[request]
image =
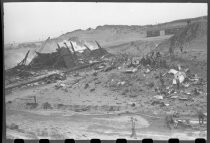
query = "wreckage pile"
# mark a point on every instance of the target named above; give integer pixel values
(68, 55)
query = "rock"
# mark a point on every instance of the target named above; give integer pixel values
(60, 85)
(46, 105)
(133, 104)
(158, 102)
(31, 105)
(93, 89)
(95, 74)
(9, 102)
(13, 126)
(97, 82)
(86, 86)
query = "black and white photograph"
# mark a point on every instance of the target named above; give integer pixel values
(106, 70)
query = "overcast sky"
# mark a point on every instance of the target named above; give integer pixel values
(36, 21)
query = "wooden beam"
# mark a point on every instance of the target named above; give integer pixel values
(72, 47)
(87, 47)
(98, 45)
(24, 60)
(9, 87)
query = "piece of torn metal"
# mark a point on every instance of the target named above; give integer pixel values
(178, 75)
(130, 70)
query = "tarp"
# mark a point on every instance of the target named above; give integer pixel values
(91, 46)
(78, 46)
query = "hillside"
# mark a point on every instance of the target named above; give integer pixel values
(193, 38)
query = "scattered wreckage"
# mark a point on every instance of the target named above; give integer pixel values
(74, 57)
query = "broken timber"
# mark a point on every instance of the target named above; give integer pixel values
(23, 62)
(9, 87)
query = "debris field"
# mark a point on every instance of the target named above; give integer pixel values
(83, 80)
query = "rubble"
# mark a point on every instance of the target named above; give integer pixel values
(95, 73)
(86, 86)
(182, 123)
(46, 105)
(121, 83)
(54, 78)
(150, 84)
(31, 105)
(68, 55)
(195, 91)
(109, 68)
(13, 126)
(147, 71)
(129, 81)
(93, 89)
(174, 97)
(130, 70)
(161, 104)
(60, 85)
(158, 97)
(180, 76)
(183, 98)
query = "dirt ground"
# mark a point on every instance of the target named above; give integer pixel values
(100, 110)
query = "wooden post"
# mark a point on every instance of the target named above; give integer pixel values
(75, 55)
(72, 47)
(98, 45)
(133, 130)
(34, 99)
(58, 46)
(24, 60)
(87, 47)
